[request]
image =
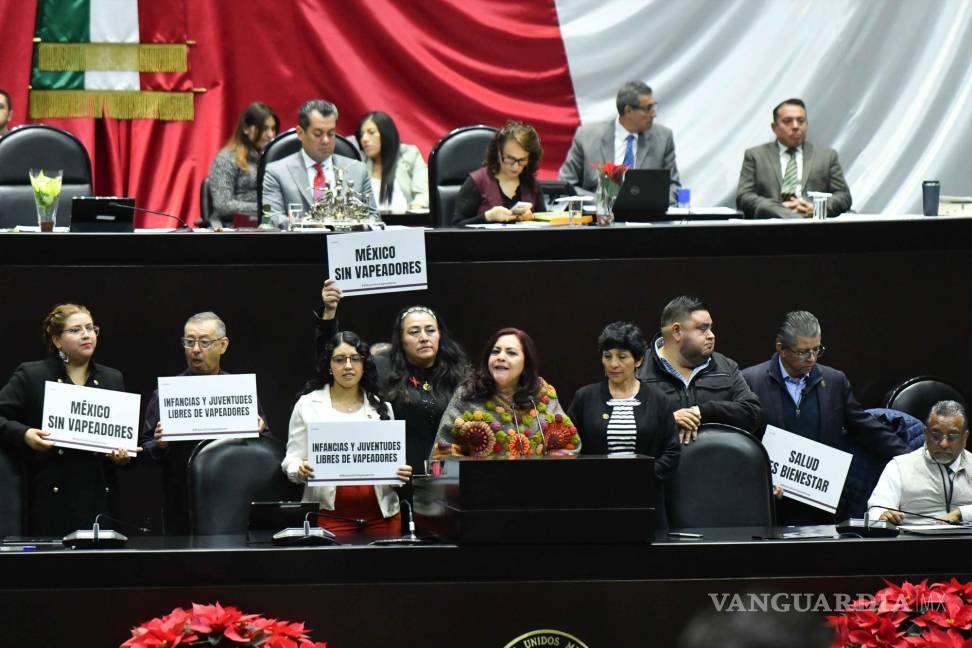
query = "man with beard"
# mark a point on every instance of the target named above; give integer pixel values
(701, 385)
(816, 402)
(934, 480)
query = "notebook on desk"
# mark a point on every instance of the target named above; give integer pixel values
(644, 196)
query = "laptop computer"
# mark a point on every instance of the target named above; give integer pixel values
(102, 214)
(643, 196)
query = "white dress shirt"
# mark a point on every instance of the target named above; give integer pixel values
(621, 142)
(926, 487)
(785, 159)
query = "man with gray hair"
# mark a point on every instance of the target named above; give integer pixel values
(204, 341)
(633, 139)
(934, 480)
(815, 401)
(302, 177)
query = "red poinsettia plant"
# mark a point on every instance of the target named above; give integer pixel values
(938, 615)
(611, 171)
(210, 625)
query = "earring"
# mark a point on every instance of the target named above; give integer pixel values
(63, 356)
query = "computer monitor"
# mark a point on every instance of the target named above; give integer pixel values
(643, 196)
(102, 214)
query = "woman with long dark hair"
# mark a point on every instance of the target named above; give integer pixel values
(233, 173)
(344, 389)
(399, 175)
(506, 409)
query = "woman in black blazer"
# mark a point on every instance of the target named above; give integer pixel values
(65, 488)
(621, 416)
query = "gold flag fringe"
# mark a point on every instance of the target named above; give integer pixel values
(117, 104)
(77, 57)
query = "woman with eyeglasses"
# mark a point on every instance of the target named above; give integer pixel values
(65, 488)
(399, 175)
(419, 373)
(344, 389)
(505, 409)
(233, 173)
(493, 193)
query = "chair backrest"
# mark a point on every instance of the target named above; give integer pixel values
(723, 480)
(345, 146)
(226, 475)
(916, 396)
(284, 144)
(451, 160)
(36, 146)
(205, 204)
(11, 494)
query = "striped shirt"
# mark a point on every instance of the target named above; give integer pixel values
(621, 432)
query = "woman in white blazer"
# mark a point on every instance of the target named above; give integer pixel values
(399, 175)
(345, 389)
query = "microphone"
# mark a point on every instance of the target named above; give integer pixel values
(308, 536)
(408, 539)
(882, 528)
(96, 538)
(182, 223)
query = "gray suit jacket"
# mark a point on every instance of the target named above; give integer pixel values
(285, 181)
(594, 144)
(760, 180)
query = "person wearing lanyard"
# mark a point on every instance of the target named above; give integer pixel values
(934, 480)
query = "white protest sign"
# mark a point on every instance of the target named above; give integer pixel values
(365, 263)
(208, 407)
(809, 472)
(85, 418)
(356, 452)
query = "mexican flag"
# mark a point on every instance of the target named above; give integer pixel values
(125, 59)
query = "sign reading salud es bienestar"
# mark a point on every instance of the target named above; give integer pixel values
(809, 472)
(365, 263)
(87, 418)
(208, 407)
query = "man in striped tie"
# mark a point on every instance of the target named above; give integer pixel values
(777, 176)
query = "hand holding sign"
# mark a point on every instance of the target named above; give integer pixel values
(35, 440)
(367, 263)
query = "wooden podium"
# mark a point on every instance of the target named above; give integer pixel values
(586, 499)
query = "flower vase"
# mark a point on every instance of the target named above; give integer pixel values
(47, 192)
(607, 191)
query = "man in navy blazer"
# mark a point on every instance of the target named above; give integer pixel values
(633, 136)
(295, 178)
(815, 401)
(776, 177)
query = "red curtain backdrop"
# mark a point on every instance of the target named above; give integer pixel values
(433, 66)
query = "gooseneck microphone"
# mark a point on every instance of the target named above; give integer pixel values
(182, 223)
(96, 538)
(308, 536)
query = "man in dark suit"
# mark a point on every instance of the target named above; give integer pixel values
(816, 402)
(632, 139)
(296, 178)
(777, 176)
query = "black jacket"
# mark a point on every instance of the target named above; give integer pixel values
(65, 488)
(656, 433)
(841, 416)
(719, 390)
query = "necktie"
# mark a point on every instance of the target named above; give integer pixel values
(628, 160)
(319, 180)
(790, 177)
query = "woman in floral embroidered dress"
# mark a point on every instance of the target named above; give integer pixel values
(505, 409)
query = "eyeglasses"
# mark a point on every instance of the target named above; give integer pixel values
(204, 343)
(938, 435)
(804, 354)
(354, 359)
(76, 330)
(512, 161)
(650, 108)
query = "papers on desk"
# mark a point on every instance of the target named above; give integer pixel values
(36, 228)
(727, 212)
(512, 226)
(936, 529)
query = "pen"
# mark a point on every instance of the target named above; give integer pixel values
(21, 548)
(678, 534)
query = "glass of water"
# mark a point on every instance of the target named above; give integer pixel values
(295, 214)
(575, 209)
